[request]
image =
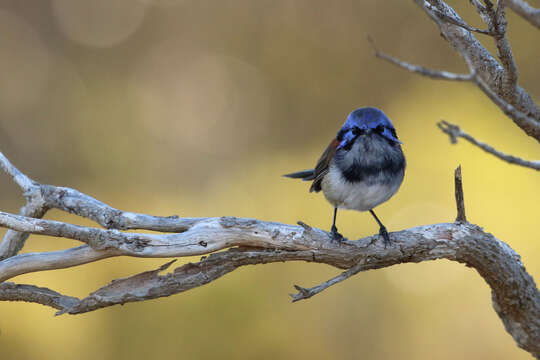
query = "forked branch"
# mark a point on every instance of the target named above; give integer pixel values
(498, 80)
(250, 242)
(498, 83)
(455, 132)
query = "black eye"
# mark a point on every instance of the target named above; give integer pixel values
(357, 131)
(340, 134)
(379, 129)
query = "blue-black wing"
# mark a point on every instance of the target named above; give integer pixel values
(321, 169)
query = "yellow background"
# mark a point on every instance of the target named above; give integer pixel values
(196, 108)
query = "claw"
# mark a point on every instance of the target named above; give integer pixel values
(385, 236)
(337, 236)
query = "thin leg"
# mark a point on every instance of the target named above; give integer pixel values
(382, 230)
(335, 234)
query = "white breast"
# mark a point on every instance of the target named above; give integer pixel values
(359, 196)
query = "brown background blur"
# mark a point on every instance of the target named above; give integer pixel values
(196, 108)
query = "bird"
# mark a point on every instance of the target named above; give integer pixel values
(362, 167)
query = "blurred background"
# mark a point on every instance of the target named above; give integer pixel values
(196, 107)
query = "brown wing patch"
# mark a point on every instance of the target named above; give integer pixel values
(321, 169)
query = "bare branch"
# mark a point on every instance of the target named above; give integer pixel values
(460, 202)
(24, 182)
(515, 296)
(434, 74)
(499, 25)
(494, 260)
(455, 132)
(520, 7)
(41, 198)
(33, 262)
(13, 241)
(304, 293)
(455, 21)
(528, 124)
(481, 9)
(34, 294)
(487, 68)
(75, 202)
(151, 285)
(206, 236)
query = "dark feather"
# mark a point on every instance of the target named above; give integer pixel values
(305, 175)
(321, 169)
(374, 159)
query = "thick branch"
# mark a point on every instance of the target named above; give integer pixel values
(495, 261)
(33, 262)
(304, 293)
(496, 77)
(14, 241)
(454, 21)
(519, 118)
(20, 179)
(206, 236)
(34, 294)
(75, 202)
(498, 24)
(515, 296)
(41, 198)
(451, 241)
(151, 285)
(455, 132)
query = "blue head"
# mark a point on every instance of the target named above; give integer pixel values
(364, 121)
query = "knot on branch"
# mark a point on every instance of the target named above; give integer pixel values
(303, 293)
(453, 131)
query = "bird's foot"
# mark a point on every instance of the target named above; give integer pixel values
(385, 236)
(336, 236)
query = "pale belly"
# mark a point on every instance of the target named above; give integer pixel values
(360, 196)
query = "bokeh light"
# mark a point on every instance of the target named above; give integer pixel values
(25, 66)
(99, 23)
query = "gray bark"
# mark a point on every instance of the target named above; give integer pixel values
(247, 242)
(496, 78)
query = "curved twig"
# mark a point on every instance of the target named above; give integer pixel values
(527, 123)
(455, 132)
(430, 73)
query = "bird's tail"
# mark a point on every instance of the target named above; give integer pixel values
(305, 175)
